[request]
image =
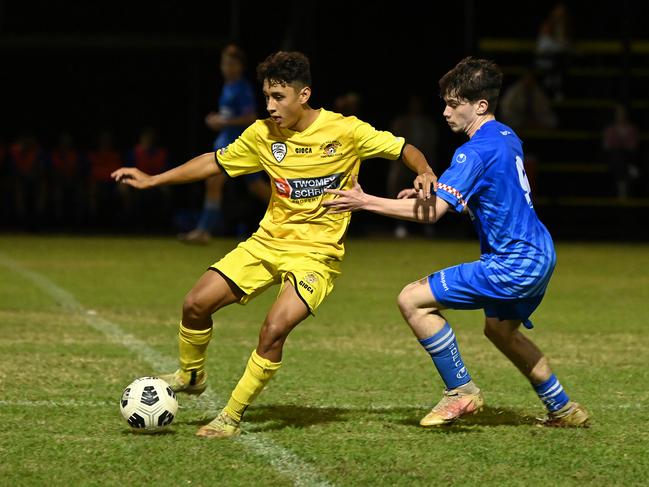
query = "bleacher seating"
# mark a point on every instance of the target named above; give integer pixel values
(574, 188)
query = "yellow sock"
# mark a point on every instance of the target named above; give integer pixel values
(257, 374)
(192, 345)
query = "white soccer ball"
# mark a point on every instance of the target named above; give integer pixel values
(149, 404)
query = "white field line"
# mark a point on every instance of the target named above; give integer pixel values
(284, 461)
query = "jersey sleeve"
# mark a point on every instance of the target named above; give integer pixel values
(458, 183)
(370, 143)
(241, 156)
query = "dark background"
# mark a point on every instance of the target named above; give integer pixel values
(83, 66)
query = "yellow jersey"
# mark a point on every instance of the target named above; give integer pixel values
(301, 165)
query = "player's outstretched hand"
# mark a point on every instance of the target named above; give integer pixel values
(350, 200)
(133, 177)
(425, 184)
(407, 193)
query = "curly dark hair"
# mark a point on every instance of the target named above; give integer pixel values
(285, 68)
(473, 79)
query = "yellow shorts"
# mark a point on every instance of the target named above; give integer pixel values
(254, 267)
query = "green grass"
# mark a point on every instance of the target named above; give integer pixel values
(344, 407)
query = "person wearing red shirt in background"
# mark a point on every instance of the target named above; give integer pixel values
(620, 141)
(151, 207)
(66, 178)
(103, 160)
(26, 166)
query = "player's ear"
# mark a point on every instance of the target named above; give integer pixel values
(304, 95)
(482, 106)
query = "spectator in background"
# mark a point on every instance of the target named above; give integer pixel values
(147, 156)
(5, 204)
(348, 104)
(420, 130)
(553, 47)
(525, 106)
(27, 171)
(620, 144)
(66, 175)
(153, 207)
(237, 110)
(102, 192)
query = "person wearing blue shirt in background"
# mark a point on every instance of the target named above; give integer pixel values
(486, 180)
(237, 110)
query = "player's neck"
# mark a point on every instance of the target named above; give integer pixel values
(308, 117)
(478, 122)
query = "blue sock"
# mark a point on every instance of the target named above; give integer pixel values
(551, 393)
(443, 349)
(210, 218)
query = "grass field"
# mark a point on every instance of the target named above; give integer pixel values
(81, 317)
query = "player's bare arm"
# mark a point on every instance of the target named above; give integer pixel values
(196, 169)
(426, 179)
(406, 208)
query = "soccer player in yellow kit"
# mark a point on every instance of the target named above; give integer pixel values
(298, 245)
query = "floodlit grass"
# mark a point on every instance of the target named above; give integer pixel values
(345, 406)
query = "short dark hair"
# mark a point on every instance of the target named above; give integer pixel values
(234, 52)
(473, 79)
(285, 68)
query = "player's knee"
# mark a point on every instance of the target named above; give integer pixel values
(194, 308)
(273, 333)
(404, 302)
(409, 306)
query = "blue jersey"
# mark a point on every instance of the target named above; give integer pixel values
(487, 178)
(236, 99)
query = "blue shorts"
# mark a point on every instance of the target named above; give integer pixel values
(467, 286)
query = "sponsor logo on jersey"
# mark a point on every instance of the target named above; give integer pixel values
(505, 132)
(442, 279)
(223, 150)
(303, 150)
(306, 286)
(329, 148)
(301, 188)
(279, 151)
(461, 158)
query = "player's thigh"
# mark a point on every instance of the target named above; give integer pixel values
(495, 328)
(211, 292)
(419, 295)
(287, 311)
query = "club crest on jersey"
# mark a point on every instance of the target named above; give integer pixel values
(461, 158)
(279, 151)
(329, 148)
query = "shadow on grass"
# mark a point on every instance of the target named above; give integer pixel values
(489, 417)
(142, 432)
(277, 417)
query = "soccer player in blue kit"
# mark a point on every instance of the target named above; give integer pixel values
(237, 110)
(486, 180)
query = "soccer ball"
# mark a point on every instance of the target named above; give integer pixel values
(149, 404)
